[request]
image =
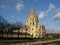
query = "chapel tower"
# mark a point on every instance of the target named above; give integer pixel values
(32, 19)
(32, 23)
(33, 26)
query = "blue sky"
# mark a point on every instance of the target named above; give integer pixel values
(48, 12)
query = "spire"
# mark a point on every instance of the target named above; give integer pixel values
(32, 10)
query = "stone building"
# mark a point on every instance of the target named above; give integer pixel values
(33, 27)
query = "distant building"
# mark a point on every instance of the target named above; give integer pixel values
(33, 27)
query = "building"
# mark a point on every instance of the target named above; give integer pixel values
(33, 27)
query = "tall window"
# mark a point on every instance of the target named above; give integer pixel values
(33, 23)
(32, 19)
(32, 29)
(30, 23)
(26, 29)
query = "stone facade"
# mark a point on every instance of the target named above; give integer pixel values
(33, 27)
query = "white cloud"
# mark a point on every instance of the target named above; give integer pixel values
(51, 10)
(57, 16)
(19, 6)
(51, 7)
(41, 15)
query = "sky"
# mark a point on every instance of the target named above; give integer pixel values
(48, 12)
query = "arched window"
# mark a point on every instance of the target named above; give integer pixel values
(32, 19)
(26, 29)
(32, 29)
(30, 23)
(33, 23)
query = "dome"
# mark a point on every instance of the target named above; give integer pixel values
(32, 18)
(32, 14)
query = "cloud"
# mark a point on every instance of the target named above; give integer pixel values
(57, 16)
(19, 6)
(51, 10)
(41, 15)
(44, 13)
(51, 7)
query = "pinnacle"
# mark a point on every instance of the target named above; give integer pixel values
(32, 10)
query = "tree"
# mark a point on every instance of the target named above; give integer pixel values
(3, 24)
(18, 26)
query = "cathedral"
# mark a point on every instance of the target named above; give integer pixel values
(33, 27)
